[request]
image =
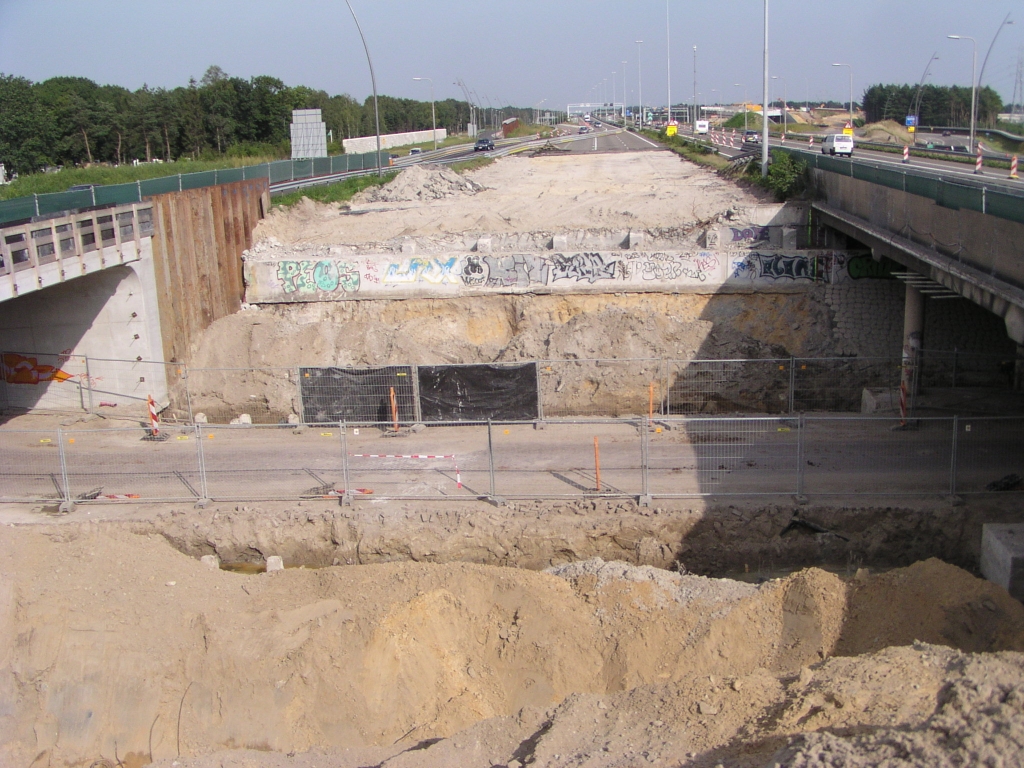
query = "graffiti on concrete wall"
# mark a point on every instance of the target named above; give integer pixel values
(423, 270)
(578, 267)
(326, 275)
(820, 267)
(18, 369)
(515, 271)
(747, 235)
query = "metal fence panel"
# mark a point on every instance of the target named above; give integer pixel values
(267, 395)
(965, 369)
(563, 459)
(359, 395)
(253, 462)
(713, 386)
(40, 382)
(923, 186)
(17, 209)
(689, 457)
(159, 186)
(838, 384)
(117, 194)
(123, 464)
(1005, 206)
(30, 466)
(958, 196)
(851, 455)
(440, 461)
(990, 455)
(126, 384)
(571, 388)
(199, 179)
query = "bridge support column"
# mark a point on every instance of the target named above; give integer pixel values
(913, 332)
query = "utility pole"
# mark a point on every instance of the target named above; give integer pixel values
(764, 100)
(668, 61)
(695, 88)
(373, 82)
(640, 82)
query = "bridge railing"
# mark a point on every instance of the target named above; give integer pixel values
(985, 195)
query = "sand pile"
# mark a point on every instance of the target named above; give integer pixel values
(115, 644)
(421, 182)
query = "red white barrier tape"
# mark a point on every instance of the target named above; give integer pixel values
(458, 477)
(810, 141)
(120, 496)
(154, 421)
(1013, 168)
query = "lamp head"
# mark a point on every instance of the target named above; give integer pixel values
(953, 37)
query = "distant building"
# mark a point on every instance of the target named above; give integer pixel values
(507, 126)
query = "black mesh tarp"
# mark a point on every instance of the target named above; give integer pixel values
(478, 392)
(359, 395)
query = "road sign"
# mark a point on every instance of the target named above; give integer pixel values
(848, 129)
(911, 121)
(671, 129)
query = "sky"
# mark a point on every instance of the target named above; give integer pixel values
(517, 52)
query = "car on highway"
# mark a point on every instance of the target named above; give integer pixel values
(584, 129)
(416, 151)
(751, 137)
(485, 144)
(837, 144)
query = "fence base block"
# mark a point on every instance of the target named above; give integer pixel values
(800, 499)
(497, 501)
(645, 501)
(345, 500)
(66, 507)
(201, 504)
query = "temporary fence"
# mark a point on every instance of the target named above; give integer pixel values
(525, 390)
(24, 208)
(665, 457)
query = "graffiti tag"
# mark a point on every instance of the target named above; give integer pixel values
(750, 234)
(510, 271)
(420, 270)
(312, 276)
(778, 266)
(579, 267)
(18, 369)
(473, 272)
(861, 267)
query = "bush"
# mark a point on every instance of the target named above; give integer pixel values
(786, 176)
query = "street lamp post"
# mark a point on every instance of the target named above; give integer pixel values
(373, 82)
(668, 62)
(764, 100)
(695, 89)
(920, 87)
(624, 92)
(785, 116)
(737, 85)
(640, 82)
(851, 88)
(433, 113)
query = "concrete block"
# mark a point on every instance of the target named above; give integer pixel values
(484, 245)
(559, 243)
(274, 563)
(201, 418)
(636, 240)
(210, 561)
(409, 247)
(243, 418)
(293, 418)
(789, 238)
(880, 400)
(1002, 556)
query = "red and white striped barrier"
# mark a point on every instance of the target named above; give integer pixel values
(783, 138)
(154, 420)
(977, 162)
(906, 153)
(1013, 168)
(903, 403)
(810, 142)
(458, 477)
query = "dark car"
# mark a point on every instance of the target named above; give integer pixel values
(483, 145)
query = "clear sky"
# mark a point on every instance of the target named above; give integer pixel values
(514, 51)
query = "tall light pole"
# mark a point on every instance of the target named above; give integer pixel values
(668, 61)
(920, 86)
(536, 111)
(974, 84)
(851, 89)
(695, 88)
(764, 100)
(433, 113)
(737, 85)
(613, 93)
(624, 93)
(640, 82)
(373, 82)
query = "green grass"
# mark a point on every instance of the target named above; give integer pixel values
(696, 152)
(42, 183)
(428, 146)
(333, 193)
(472, 165)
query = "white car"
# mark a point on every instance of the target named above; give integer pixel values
(837, 144)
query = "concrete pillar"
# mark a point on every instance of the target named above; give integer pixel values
(913, 333)
(1018, 370)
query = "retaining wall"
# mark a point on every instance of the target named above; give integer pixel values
(369, 143)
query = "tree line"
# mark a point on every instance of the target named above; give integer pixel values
(940, 105)
(68, 121)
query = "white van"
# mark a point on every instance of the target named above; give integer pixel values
(701, 126)
(837, 144)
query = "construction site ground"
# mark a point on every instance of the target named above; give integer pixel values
(550, 632)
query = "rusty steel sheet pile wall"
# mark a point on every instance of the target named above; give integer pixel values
(199, 236)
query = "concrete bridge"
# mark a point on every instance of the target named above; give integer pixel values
(132, 283)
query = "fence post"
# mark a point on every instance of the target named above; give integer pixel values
(417, 409)
(68, 504)
(346, 494)
(954, 366)
(645, 461)
(540, 393)
(792, 383)
(204, 488)
(298, 387)
(800, 425)
(490, 459)
(88, 382)
(952, 457)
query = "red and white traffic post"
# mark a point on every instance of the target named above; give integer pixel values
(154, 420)
(1013, 168)
(906, 154)
(977, 162)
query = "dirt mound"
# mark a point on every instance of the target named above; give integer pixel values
(117, 646)
(421, 182)
(888, 131)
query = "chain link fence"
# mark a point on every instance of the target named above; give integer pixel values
(664, 457)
